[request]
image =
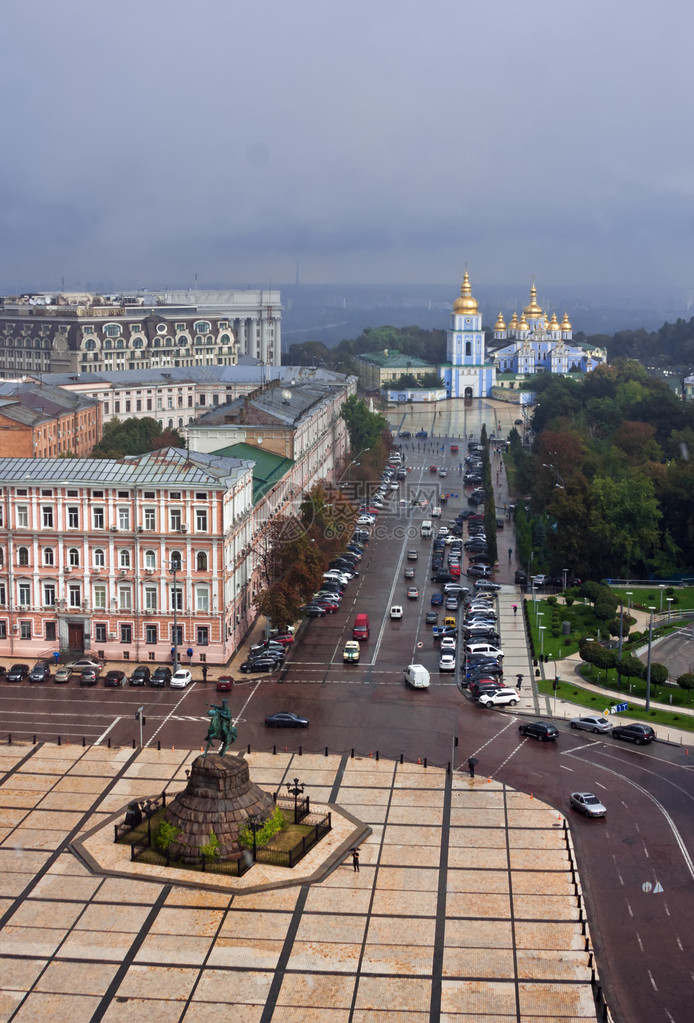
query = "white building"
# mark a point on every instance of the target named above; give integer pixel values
(468, 372)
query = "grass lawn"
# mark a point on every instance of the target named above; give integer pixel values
(644, 597)
(596, 703)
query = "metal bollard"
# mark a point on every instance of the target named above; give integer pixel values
(402, 758)
(274, 750)
(84, 742)
(159, 745)
(326, 751)
(133, 744)
(109, 742)
(425, 762)
(352, 753)
(60, 741)
(301, 751)
(378, 757)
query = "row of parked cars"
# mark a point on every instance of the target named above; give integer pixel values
(88, 672)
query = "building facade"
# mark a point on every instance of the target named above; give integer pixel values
(379, 369)
(46, 422)
(468, 372)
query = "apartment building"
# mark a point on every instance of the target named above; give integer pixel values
(44, 422)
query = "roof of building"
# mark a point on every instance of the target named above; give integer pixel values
(247, 371)
(50, 401)
(273, 406)
(390, 358)
(268, 468)
(167, 467)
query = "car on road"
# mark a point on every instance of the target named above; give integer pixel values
(412, 592)
(351, 653)
(264, 663)
(592, 723)
(285, 719)
(396, 612)
(89, 677)
(454, 448)
(541, 730)
(520, 577)
(18, 672)
(84, 662)
(448, 642)
(451, 603)
(412, 555)
(41, 672)
(160, 678)
(447, 661)
(141, 676)
(114, 679)
(181, 678)
(640, 734)
(587, 803)
(225, 684)
(62, 674)
(501, 698)
(409, 573)
(433, 468)
(443, 473)
(431, 618)
(436, 599)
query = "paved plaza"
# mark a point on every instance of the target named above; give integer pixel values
(465, 907)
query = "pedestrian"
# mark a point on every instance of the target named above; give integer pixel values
(519, 680)
(355, 860)
(471, 766)
(515, 606)
(204, 673)
(510, 552)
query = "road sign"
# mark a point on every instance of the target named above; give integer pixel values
(619, 708)
(646, 886)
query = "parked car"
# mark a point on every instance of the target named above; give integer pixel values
(85, 662)
(448, 641)
(161, 677)
(541, 730)
(451, 603)
(266, 646)
(396, 612)
(520, 577)
(181, 678)
(285, 719)
(436, 599)
(314, 611)
(62, 674)
(264, 663)
(404, 433)
(447, 661)
(587, 803)
(114, 679)
(18, 672)
(225, 684)
(141, 676)
(592, 723)
(41, 672)
(89, 677)
(421, 434)
(506, 697)
(352, 651)
(640, 734)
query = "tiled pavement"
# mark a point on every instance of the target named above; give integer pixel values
(465, 908)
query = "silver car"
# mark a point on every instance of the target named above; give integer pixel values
(592, 723)
(587, 803)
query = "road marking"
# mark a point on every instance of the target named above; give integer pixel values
(104, 734)
(250, 697)
(631, 912)
(565, 768)
(171, 714)
(601, 786)
(638, 938)
(680, 945)
(655, 986)
(621, 879)
(646, 852)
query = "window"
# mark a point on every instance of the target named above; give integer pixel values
(25, 630)
(124, 518)
(74, 596)
(149, 409)
(203, 634)
(97, 493)
(176, 561)
(3, 594)
(49, 595)
(202, 598)
(468, 348)
(25, 594)
(22, 517)
(138, 405)
(124, 559)
(23, 556)
(175, 518)
(112, 329)
(151, 598)
(176, 599)
(125, 598)
(47, 517)
(126, 633)
(99, 558)
(73, 518)
(177, 635)
(150, 518)
(49, 629)
(100, 597)
(150, 634)
(73, 557)
(201, 520)
(2, 557)
(100, 632)
(98, 518)
(202, 326)
(3, 629)
(201, 561)
(48, 556)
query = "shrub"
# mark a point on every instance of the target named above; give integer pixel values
(211, 849)
(168, 833)
(659, 674)
(686, 681)
(669, 591)
(272, 825)
(551, 601)
(567, 641)
(556, 630)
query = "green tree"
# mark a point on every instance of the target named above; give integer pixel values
(134, 437)
(364, 427)
(686, 681)
(623, 520)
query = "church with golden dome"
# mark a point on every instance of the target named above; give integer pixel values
(535, 342)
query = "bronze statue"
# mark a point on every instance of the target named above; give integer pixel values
(221, 727)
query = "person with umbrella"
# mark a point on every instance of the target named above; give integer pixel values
(471, 761)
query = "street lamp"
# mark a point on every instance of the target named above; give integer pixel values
(255, 823)
(630, 594)
(174, 568)
(648, 669)
(565, 576)
(669, 606)
(295, 790)
(559, 484)
(542, 640)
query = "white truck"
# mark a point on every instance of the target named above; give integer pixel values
(426, 528)
(417, 676)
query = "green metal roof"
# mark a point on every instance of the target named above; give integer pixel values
(394, 360)
(268, 468)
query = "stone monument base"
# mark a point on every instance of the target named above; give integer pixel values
(218, 798)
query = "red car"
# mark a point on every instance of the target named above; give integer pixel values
(328, 606)
(454, 448)
(285, 638)
(225, 683)
(433, 468)
(454, 570)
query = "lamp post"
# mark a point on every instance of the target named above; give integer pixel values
(565, 576)
(661, 588)
(255, 824)
(621, 628)
(648, 669)
(295, 790)
(542, 640)
(174, 569)
(629, 596)
(669, 606)
(559, 482)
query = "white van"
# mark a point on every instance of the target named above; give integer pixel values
(484, 648)
(436, 512)
(426, 528)
(417, 676)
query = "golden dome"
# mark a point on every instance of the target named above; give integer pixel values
(514, 321)
(466, 303)
(565, 325)
(533, 309)
(523, 323)
(554, 325)
(499, 325)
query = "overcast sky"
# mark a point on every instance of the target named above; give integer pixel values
(378, 140)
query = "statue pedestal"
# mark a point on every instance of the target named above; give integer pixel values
(218, 798)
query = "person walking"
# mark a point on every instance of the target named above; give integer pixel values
(355, 860)
(471, 766)
(510, 554)
(519, 682)
(515, 609)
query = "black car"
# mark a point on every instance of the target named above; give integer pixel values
(41, 672)
(422, 434)
(141, 676)
(264, 663)
(520, 577)
(266, 647)
(404, 433)
(314, 611)
(160, 678)
(541, 730)
(89, 676)
(285, 719)
(431, 618)
(640, 734)
(18, 672)
(442, 577)
(114, 679)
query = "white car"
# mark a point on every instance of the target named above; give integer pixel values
(448, 644)
(181, 678)
(447, 662)
(592, 723)
(396, 612)
(436, 512)
(500, 698)
(394, 485)
(484, 648)
(587, 803)
(365, 520)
